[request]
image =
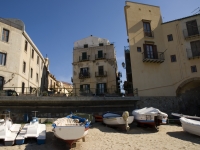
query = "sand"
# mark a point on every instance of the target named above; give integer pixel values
(101, 137)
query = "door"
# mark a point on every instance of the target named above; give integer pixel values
(192, 27)
(195, 48)
(1, 82)
(101, 88)
(101, 71)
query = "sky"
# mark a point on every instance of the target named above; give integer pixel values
(54, 25)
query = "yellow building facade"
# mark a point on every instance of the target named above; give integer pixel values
(162, 58)
(94, 67)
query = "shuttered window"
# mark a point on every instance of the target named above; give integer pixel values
(150, 51)
(5, 35)
(192, 27)
(195, 48)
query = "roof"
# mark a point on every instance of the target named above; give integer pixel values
(142, 4)
(182, 18)
(16, 23)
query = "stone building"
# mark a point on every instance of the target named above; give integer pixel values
(22, 66)
(162, 59)
(94, 67)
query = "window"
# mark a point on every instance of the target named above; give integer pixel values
(1, 82)
(170, 37)
(32, 53)
(5, 35)
(26, 46)
(84, 55)
(150, 51)
(195, 48)
(192, 27)
(2, 59)
(85, 88)
(101, 88)
(38, 60)
(37, 79)
(173, 58)
(24, 66)
(31, 72)
(147, 29)
(139, 49)
(85, 46)
(100, 54)
(101, 70)
(100, 44)
(31, 89)
(23, 87)
(193, 68)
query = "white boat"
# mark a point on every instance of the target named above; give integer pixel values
(150, 116)
(114, 119)
(8, 130)
(71, 128)
(32, 130)
(185, 116)
(191, 126)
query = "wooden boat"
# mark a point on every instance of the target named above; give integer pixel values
(32, 130)
(118, 120)
(8, 130)
(191, 126)
(71, 128)
(149, 116)
(185, 116)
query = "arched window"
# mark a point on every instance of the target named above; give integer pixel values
(1, 82)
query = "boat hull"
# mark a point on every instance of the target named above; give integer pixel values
(191, 126)
(116, 121)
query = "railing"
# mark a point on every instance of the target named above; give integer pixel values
(84, 59)
(193, 53)
(100, 57)
(126, 48)
(101, 74)
(148, 33)
(158, 57)
(84, 75)
(195, 31)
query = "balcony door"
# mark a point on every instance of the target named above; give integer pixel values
(101, 70)
(192, 27)
(150, 51)
(195, 48)
(84, 71)
(1, 82)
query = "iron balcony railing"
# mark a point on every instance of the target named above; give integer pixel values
(158, 57)
(84, 58)
(193, 53)
(101, 74)
(100, 57)
(192, 32)
(148, 33)
(83, 75)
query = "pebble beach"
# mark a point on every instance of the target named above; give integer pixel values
(101, 137)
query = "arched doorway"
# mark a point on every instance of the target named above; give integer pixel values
(1, 82)
(188, 85)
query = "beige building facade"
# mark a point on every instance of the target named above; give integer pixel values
(162, 59)
(94, 67)
(22, 66)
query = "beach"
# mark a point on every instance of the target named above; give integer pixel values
(101, 137)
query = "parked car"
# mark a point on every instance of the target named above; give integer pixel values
(9, 92)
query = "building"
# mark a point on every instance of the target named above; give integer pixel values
(94, 67)
(22, 66)
(162, 59)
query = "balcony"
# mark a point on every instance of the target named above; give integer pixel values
(193, 53)
(148, 34)
(101, 74)
(87, 58)
(192, 33)
(100, 56)
(83, 75)
(158, 57)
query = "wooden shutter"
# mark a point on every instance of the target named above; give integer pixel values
(105, 88)
(145, 50)
(155, 53)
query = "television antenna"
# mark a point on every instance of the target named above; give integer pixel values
(196, 11)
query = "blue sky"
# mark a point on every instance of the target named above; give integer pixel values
(54, 25)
